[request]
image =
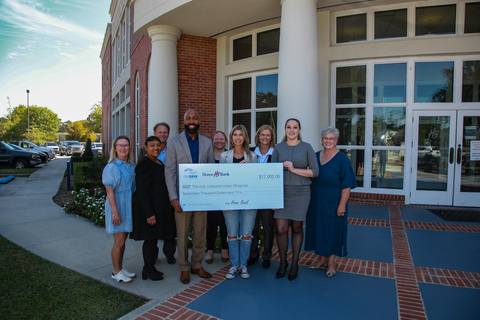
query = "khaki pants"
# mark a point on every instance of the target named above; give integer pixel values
(182, 220)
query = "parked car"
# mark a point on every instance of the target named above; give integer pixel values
(53, 146)
(43, 156)
(32, 146)
(9, 157)
(97, 146)
(69, 147)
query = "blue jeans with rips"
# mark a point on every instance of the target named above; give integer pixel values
(239, 223)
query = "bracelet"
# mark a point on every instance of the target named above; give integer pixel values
(115, 214)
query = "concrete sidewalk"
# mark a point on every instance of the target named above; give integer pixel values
(30, 218)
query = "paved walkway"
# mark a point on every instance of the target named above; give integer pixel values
(404, 263)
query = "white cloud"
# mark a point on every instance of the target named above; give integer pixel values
(27, 16)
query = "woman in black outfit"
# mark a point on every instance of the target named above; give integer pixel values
(153, 215)
(215, 219)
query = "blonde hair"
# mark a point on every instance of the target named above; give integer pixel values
(299, 127)
(113, 152)
(272, 135)
(246, 140)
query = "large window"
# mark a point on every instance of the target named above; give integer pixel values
(391, 24)
(472, 17)
(376, 129)
(435, 20)
(255, 44)
(352, 28)
(254, 101)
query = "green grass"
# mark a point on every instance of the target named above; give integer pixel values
(34, 288)
(13, 171)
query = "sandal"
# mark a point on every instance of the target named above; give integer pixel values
(330, 274)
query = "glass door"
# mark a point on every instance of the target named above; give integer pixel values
(467, 160)
(433, 163)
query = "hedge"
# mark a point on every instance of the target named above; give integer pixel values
(79, 178)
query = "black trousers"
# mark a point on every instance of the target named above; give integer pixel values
(267, 221)
(215, 219)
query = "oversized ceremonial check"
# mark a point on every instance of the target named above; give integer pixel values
(226, 186)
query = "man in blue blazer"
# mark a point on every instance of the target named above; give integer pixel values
(188, 147)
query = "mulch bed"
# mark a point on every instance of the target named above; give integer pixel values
(63, 195)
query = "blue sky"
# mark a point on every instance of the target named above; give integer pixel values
(52, 48)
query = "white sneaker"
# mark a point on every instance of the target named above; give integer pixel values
(232, 273)
(244, 272)
(128, 273)
(120, 277)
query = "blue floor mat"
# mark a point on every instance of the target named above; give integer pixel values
(445, 250)
(370, 243)
(419, 215)
(368, 212)
(264, 297)
(442, 302)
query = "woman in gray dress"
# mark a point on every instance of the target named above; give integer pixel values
(300, 164)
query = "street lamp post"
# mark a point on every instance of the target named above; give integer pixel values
(28, 114)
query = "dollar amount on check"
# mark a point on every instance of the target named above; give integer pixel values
(226, 186)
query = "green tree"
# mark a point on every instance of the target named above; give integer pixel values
(79, 131)
(44, 124)
(64, 125)
(95, 118)
(88, 149)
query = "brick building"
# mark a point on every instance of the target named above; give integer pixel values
(399, 79)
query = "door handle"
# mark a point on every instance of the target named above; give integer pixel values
(452, 152)
(459, 154)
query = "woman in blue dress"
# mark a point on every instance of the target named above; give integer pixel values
(327, 215)
(119, 180)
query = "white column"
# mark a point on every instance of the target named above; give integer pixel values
(163, 78)
(298, 77)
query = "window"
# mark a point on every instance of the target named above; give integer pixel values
(472, 17)
(471, 81)
(391, 24)
(254, 101)
(242, 48)
(390, 84)
(256, 44)
(434, 81)
(351, 85)
(268, 42)
(435, 20)
(352, 28)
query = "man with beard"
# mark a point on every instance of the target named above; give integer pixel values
(188, 147)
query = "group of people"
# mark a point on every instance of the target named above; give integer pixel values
(143, 201)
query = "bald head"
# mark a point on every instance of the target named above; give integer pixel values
(191, 122)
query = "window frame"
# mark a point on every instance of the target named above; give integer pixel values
(254, 43)
(253, 110)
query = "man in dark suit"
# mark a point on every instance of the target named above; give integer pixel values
(188, 147)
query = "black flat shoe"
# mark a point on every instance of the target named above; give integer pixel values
(154, 277)
(171, 260)
(266, 264)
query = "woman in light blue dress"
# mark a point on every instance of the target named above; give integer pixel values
(119, 180)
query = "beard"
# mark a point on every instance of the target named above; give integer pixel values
(192, 131)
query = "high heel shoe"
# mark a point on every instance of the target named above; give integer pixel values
(292, 276)
(279, 274)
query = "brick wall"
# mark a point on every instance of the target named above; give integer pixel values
(197, 80)
(107, 96)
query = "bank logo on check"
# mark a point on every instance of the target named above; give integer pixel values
(189, 173)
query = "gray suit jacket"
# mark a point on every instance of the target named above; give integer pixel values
(227, 156)
(178, 152)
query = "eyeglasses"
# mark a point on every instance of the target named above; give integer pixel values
(329, 139)
(123, 146)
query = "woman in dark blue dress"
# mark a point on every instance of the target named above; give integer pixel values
(327, 215)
